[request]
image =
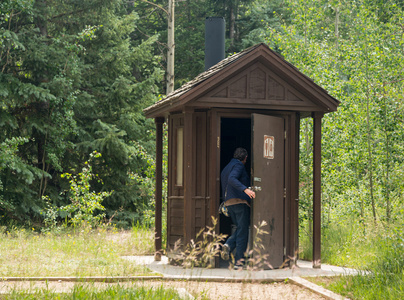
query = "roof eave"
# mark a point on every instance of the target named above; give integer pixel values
(179, 98)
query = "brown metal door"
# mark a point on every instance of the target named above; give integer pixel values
(268, 145)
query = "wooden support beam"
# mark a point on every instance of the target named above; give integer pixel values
(214, 169)
(159, 187)
(317, 116)
(189, 217)
(294, 186)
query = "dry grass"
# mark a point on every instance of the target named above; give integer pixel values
(84, 253)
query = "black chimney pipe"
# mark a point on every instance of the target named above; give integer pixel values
(214, 40)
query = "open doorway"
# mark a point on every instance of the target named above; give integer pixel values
(235, 132)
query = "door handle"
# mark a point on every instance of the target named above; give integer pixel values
(255, 188)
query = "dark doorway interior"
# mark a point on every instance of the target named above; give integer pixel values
(234, 133)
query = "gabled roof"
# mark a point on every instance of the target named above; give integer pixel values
(271, 64)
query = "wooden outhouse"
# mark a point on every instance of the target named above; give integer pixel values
(253, 99)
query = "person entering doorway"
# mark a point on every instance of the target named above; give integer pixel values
(237, 197)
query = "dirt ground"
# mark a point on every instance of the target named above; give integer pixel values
(199, 290)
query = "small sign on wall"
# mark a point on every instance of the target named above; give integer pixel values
(269, 147)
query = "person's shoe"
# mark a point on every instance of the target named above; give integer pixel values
(239, 267)
(225, 252)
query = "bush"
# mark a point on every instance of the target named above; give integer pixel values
(84, 204)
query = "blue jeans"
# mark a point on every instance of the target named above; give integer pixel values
(240, 216)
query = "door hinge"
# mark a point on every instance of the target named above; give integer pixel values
(285, 135)
(284, 193)
(284, 251)
(218, 142)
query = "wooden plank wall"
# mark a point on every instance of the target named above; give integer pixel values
(200, 205)
(195, 164)
(186, 219)
(175, 200)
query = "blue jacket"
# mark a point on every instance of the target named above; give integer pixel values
(234, 177)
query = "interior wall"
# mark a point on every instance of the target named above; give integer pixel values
(234, 133)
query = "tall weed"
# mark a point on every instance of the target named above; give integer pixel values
(202, 251)
(383, 278)
(113, 292)
(377, 251)
(347, 243)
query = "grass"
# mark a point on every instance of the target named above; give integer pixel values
(377, 251)
(115, 292)
(365, 286)
(26, 253)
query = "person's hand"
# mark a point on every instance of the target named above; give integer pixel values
(250, 193)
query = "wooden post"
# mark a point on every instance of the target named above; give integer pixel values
(159, 187)
(294, 186)
(317, 116)
(189, 213)
(214, 169)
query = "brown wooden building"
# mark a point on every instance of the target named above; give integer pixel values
(255, 100)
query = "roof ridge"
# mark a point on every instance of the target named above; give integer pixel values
(223, 64)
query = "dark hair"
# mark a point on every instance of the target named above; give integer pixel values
(240, 154)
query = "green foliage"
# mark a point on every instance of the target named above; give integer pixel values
(74, 78)
(376, 251)
(113, 123)
(50, 214)
(202, 251)
(112, 292)
(355, 51)
(244, 21)
(73, 252)
(12, 165)
(85, 206)
(8, 152)
(346, 48)
(259, 15)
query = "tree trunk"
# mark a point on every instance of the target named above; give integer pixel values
(336, 26)
(232, 23)
(43, 106)
(40, 22)
(369, 137)
(387, 180)
(171, 47)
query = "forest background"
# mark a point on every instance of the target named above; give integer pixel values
(75, 75)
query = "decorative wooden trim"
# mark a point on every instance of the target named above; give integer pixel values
(257, 83)
(225, 70)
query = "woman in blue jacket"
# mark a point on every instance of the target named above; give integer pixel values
(237, 197)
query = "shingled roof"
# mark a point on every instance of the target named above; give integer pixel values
(182, 92)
